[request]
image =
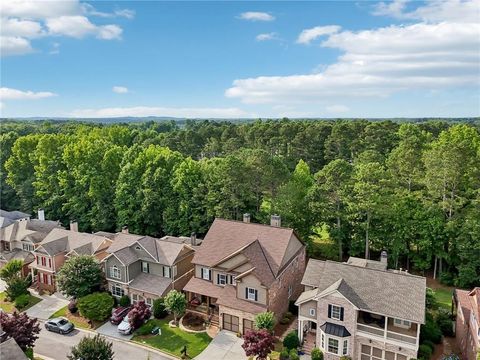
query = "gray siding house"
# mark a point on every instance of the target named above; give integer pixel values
(146, 268)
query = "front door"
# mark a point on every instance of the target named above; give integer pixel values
(230, 322)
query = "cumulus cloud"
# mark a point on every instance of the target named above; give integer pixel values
(378, 62)
(24, 20)
(308, 35)
(139, 111)
(120, 89)
(256, 16)
(14, 94)
(266, 36)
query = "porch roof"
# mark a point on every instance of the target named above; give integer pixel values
(203, 287)
(151, 284)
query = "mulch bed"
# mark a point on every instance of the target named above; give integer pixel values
(193, 322)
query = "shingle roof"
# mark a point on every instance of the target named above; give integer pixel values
(256, 256)
(13, 215)
(384, 292)
(29, 229)
(152, 284)
(61, 240)
(203, 287)
(334, 329)
(26, 256)
(367, 263)
(10, 350)
(227, 236)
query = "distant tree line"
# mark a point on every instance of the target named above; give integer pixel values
(352, 187)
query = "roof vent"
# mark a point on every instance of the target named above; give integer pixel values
(125, 229)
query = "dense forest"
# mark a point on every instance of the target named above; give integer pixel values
(347, 187)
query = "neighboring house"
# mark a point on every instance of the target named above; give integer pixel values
(9, 350)
(57, 247)
(146, 268)
(361, 310)
(242, 269)
(19, 236)
(467, 329)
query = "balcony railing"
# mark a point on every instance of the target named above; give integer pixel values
(375, 330)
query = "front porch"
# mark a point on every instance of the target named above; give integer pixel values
(307, 333)
(203, 305)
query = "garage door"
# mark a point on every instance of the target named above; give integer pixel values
(247, 325)
(230, 322)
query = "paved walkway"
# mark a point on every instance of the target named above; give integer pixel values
(48, 306)
(226, 345)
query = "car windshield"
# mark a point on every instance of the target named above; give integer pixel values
(125, 319)
(62, 322)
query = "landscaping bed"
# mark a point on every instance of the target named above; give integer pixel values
(9, 307)
(171, 340)
(76, 319)
(193, 322)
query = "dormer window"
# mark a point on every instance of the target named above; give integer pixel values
(167, 272)
(206, 274)
(115, 272)
(335, 312)
(145, 267)
(221, 279)
(251, 294)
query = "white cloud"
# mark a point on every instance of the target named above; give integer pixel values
(256, 16)
(24, 20)
(266, 37)
(120, 89)
(337, 109)
(14, 45)
(90, 10)
(14, 94)
(378, 62)
(140, 111)
(308, 35)
(432, 11)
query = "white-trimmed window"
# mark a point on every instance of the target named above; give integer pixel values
(221, 279)
(336, 312)
(206, 274)
(145, 267)
(251, 294)
(167, 272)
(402, 323)
(174, 267)
(117, 290)
(345, 347)
(115, 272)
(27, 247)
(332, 345)
(149, 301)
(231, 279)
(311, 311)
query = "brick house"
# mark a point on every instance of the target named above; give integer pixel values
(242, 269)
(57, 247)
(146, 268)
(361, 310)
(467, 323)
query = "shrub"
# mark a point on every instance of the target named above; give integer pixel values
(291, 341)
(139, 314)
(16, 287)
(447, 278)
(159, 310)
(424, 352)
(258, 343)
(29, 353)
(96, 306)
(317, 354)
(430, 331)
(292, 308)
(430, 300)
(285, 320)
(265, 320)
(21, 327)
(124, 301)
(72, 306)
(288, 315)
(176, 303)
(22, 301)
(444, 322)
(294, 354)
(90, 348)
(284, 354)
(430, 344)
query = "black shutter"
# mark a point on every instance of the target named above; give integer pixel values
(218, 278)
(209, 274)
(341, 314)
(148, 268)
(329, 311)
(246, 293)
(256, 295)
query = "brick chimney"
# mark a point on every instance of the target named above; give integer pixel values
(193, 239)
(41, 214)
(246, 218)
(276, 220)
(74, 225)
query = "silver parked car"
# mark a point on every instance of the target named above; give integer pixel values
(59, 325)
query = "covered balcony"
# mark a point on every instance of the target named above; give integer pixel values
(386, 328)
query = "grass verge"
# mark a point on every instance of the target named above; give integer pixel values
(9, 307)
(76, 319)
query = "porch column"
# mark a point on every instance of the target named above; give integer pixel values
(300, 330)
(386, 328)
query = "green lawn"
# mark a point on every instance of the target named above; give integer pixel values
(172, 340)
(75, 319)
(444, 297)
(9, 307)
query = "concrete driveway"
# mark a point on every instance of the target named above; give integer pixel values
(108, 329)
(48, 306)
(226, 345)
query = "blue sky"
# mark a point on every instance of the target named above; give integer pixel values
(240, 59)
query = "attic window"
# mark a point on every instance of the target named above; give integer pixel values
(138, 247)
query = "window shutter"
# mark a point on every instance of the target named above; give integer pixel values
(209, 274)
(256, 295)
(341, 314)
(218, 278)
(38, 260)
(148, 268)
(246, 293)
(49, 263)
(329, 311)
